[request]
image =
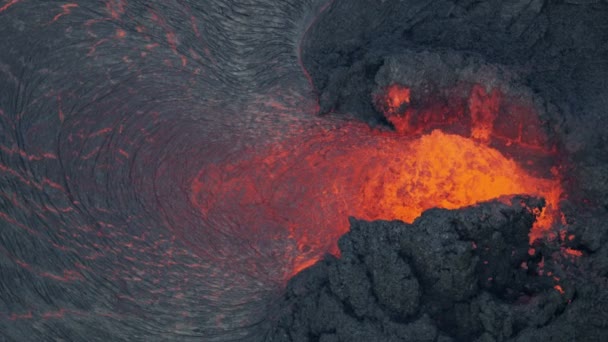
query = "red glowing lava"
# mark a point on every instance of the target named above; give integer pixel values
(299, 193)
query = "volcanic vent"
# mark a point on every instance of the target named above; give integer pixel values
(510, 269)
(475, 136)
(303, 170)
(463, 146)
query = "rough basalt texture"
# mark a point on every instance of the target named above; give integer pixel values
(464, 275)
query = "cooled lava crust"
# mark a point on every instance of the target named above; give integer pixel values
(303, 170)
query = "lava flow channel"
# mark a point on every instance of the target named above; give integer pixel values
(300, 193)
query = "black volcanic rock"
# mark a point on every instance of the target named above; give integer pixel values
(449, 276)
(542, 40)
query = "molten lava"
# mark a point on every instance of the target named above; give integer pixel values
(300, 194)
(447, 171)
(288, 203)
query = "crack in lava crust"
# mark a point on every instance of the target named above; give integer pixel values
(289, 203)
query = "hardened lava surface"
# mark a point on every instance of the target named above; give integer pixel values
(183, 170)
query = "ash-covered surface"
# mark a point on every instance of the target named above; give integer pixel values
(108, 110)
(464, 275)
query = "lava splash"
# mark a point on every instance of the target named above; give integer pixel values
(292, 200)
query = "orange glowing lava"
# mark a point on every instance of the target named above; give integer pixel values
(300, 194)
(448, 171)
(286, 204)
(398, 96)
